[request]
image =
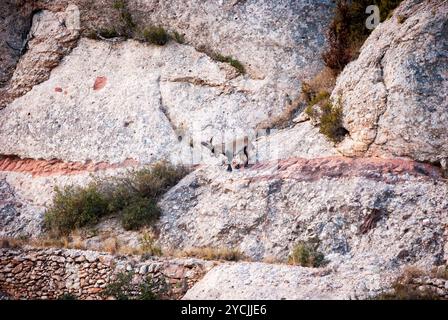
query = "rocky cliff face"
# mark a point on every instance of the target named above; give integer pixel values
(394, 94)
(77, 109)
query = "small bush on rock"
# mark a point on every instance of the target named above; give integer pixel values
(156, 35)
(75, 207)
(179, 38)
(108, 33)
(230, 60)
(328, 116)
(128, 25)
(139, 213)
(331, 123)
(148, 246)
(133, 198)
(305, 254)
(123, 288)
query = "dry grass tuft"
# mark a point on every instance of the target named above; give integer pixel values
(209, 253)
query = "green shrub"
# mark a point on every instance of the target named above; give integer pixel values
(151, 289)
(123, 288)
(319, 97)
(75, 207)
(237, 65)
(139, 213)
(119, 4)
(133, 198)
(347, 31)
(228, 59)
(156, 35)
(331, 122)
(330, 116)
(108, 33)
(305, 254)
(158, 179)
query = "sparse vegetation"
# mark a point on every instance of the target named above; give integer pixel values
(140, 212)
(331, 122)
(42, 242)
(321, 98)
(123, 288)
(230, 60)
(155, 35)
(148, 246)
(347, 31)
(108, 33)
(328, 116)
(305, 254)
(214, 254)
(75, 207)
(133, 198)
(128, 25)
(324, 81)
(152, 289)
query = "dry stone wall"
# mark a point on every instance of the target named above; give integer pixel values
(49, 273)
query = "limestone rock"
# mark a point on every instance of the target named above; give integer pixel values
(394, 95)
(50, 38)
(157, 102)
(361, 210)
(261, 281)
(15, 22)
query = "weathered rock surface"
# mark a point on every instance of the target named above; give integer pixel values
(24, 198)
(282, 282)
(394, 95)
(278, 41)
(303, 140)
(171, 93)
(366, 212)
(261, 281)
(15, 22)
(86, 108)
(50, 38)
(28, 184)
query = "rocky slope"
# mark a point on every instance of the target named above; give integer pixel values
(394, 94)
(78, 109)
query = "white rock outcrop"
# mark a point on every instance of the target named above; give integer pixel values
(370, 211)
(394, 95)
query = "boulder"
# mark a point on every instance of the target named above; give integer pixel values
(394, 95)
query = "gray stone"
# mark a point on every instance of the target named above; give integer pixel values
(394, 95)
